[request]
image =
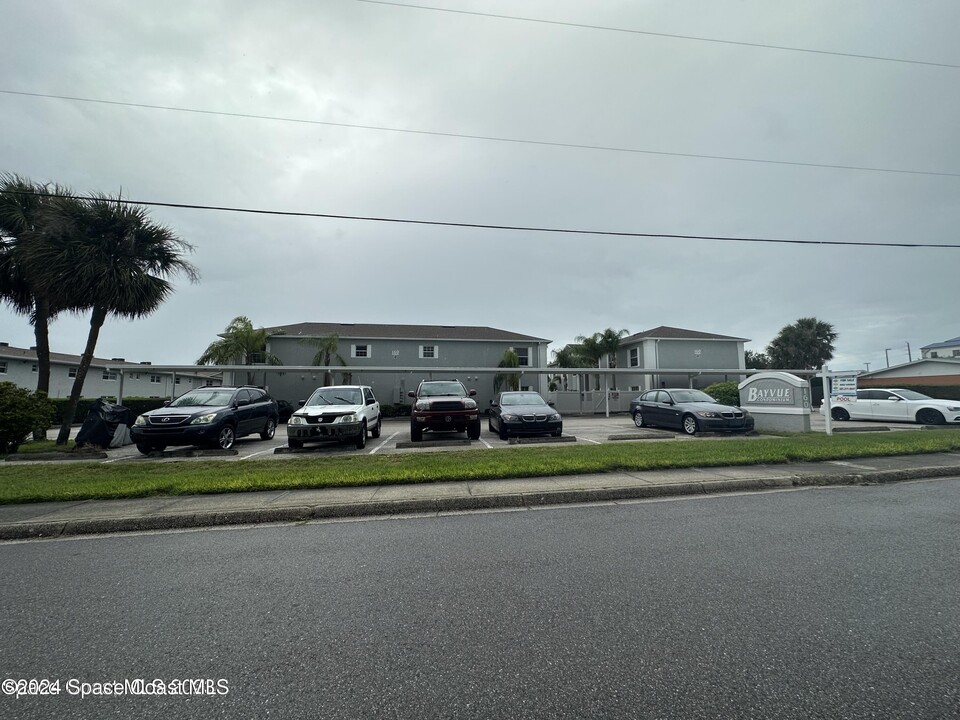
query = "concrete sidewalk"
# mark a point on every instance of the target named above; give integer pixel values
(45, 520)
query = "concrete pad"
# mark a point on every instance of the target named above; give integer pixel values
(220, 502)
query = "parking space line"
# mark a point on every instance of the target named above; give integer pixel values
(384, 443)
(246, 457)
(488, 445)
(588, 440)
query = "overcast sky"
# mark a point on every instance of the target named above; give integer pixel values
(444, 75)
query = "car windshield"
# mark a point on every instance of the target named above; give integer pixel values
(521, 398)
(213, 398)
(691, 396)
(436, 389)
(911, 395)
(336, 396)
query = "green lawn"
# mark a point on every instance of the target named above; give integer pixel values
(85, 480)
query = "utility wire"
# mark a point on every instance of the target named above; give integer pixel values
(488, 226)
(664, 35)
(490, 138)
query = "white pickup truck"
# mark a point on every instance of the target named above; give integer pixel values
(336, 412)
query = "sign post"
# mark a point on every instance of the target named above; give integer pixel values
(838, 388)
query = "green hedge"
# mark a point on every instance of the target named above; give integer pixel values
(725, 393)
(398, 410)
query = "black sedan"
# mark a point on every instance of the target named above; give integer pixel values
(523, 413)
(689, 410)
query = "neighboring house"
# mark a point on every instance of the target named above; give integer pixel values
(673, 348)
(928, 371)
(422, 347)
(945, 349)
(19, 366)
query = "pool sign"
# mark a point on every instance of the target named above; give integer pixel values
(843, 387)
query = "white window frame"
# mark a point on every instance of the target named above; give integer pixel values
(156, 379)
(33, 368)
(434, 348)
(367, 350)
(527, 358)
(72, 372)
(109, 375)
(3, 367)
(633, 357)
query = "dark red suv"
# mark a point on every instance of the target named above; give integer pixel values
(445, 406)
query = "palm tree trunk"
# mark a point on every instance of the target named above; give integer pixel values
(97, 318)
(41, 328)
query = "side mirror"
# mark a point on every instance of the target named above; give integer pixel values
(472, 393)
(301, 403)
(412, 394)
(551, 403)
(493, 403)
(166, 402)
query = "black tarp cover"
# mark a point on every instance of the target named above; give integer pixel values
(107, 425)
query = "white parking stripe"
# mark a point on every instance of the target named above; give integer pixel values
(489, 446)
(245, 457)
(384, 443)
(588, 440)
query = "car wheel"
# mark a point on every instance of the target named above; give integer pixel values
(144, 448)
(295, 444)
(638, 419)
(504, 435)
(490, 424)
(416, 434)
(375, 433)
(690, 425)
(928, 416)
(473, 430)
(269, 430)
(839, 414)
(226, 437)
(362, 437)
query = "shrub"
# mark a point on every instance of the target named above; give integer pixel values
(21, 412)
(726, 393)
(398, 410)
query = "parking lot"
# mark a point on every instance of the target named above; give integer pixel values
(395, 439)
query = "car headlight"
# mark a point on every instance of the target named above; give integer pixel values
(422, 405)
(348, 419)
(508, 417)
(954, 409)
(470, 404)
(296, 420)
(203, 419)
(553, 418)
(708, 414)
(141, 420)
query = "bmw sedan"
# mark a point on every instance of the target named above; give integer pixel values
(523, 413)
(689, 410)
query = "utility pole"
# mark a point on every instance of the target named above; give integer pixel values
(887, 351)
(909, 355)
(868, 366)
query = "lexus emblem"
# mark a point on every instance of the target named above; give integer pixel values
(166, 419)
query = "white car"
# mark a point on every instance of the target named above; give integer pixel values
(337, 412)
(896, 405)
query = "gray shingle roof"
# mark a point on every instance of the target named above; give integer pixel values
(665, 332)
(413, 332)
(945, 343)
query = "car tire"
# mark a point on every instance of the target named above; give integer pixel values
(928, 416)
(144, 448)
(502, 433)
(689, 424)
(362, 437)
(294, 444)
(638, 419)
(269, 430)
(375, 433)
(416, 434)
(490, 424)
(226, 437)
(839, 413)
(473, 430)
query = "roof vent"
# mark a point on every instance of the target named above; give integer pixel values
(33, 347)
(4, 344)
(145, 362)
(118, 359)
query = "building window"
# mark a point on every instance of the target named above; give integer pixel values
(209, 383)
(33, 368)
(956, 353)
(72, 372)
(634, 388)
(109, 375)
(3, 367)
(177, 381)
(360, 351)
(155, 379)
(634, 360)
(428, 352)
(523, 356)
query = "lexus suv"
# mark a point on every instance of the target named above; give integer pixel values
(337, 412)
(214, 416)
(443, 405)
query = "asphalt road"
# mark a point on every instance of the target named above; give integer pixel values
(824, 603)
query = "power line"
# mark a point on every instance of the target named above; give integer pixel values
(488, 226)
(489, 138)
(664, 35)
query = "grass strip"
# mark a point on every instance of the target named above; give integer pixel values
(82, 480)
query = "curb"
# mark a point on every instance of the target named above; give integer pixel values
(306, 513)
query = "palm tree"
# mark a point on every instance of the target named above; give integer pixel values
(602, 345)
(326, 354)
(570, 355)
(805, 345)
(240, 343)
(25, 220)
(510, 361)
(111, 259)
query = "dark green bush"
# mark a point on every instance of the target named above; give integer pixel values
(137, 405)
(725, 393)
(21, 412)
(398, 410)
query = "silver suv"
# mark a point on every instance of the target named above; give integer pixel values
(337, 412)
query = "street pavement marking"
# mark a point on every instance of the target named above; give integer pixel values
(246, 457)
(384, 443)
(588, 440)
(489, 446)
